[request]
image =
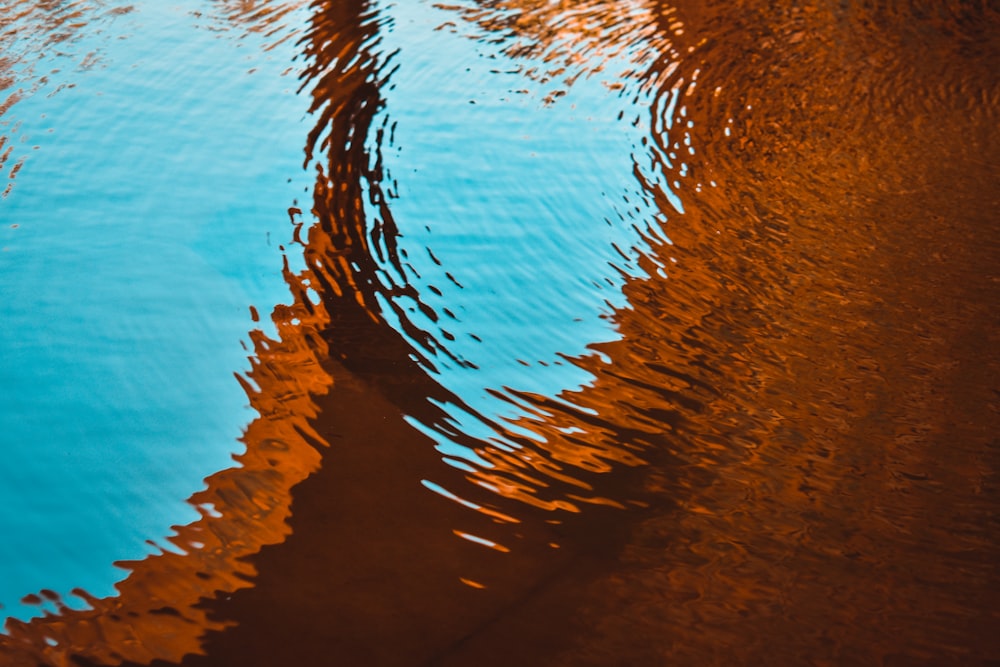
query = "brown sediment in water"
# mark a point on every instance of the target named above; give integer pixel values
(803, 396)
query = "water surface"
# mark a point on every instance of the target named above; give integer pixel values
(606, 333)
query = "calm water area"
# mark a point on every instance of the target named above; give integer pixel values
(499, 332)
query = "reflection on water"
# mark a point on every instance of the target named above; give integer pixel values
(123, 312)
(618, 334)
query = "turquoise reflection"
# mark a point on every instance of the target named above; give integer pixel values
(519, 218)
(147, 222)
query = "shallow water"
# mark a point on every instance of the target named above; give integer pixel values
(606, 333)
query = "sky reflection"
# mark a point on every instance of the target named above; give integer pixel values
(127, 278)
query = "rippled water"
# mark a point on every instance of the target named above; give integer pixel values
(579, 333)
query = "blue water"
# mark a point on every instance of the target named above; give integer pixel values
(519, 211)
(135, 239)
(150, 217)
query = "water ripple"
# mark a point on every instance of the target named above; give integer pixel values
(692, 302)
